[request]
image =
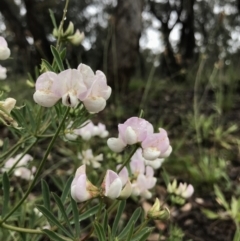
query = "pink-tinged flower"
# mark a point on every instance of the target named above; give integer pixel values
(21, 169)
(69, 86)
(94, 99)
(155, 164)
(155, 145)
(137, 163)
(81, 188)
(116, 144)
(184, 190)
(100, 130)
(90, 160)
(134, 130)
(143, 183)
(144, 176)
(127, 186)
(44, 94)
(112, 185)
(4, 50)
(86, 131)
(3, 72)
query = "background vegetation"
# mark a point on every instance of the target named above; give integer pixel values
(178, 60)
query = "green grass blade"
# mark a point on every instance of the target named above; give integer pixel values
(120, 210)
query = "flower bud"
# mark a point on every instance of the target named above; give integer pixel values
(156, 213)
(77, 38)
(69, 30)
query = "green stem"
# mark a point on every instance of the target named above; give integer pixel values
(21, 230)
(39, 169)
(129, 158)
(19, 143)
(61, 24)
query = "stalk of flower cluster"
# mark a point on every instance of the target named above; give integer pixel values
(128, 159)
(38, 172)
(62, 22)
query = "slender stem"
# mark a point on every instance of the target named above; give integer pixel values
(129, 158)
(62, 22)
(15, 146)
(39, 169)
(21, 230)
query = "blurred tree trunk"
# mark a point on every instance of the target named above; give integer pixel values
(37, 31)
(187, 39)
(162, 11)
(126, 25)
(10, 12)
(28, 54)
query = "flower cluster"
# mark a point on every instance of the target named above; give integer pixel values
(4, 54)
(87, 131)
(137, 130)
(113, 186)
(73, 86)
(69, 35)
(21, 169)
(180, 192)
(89, 159)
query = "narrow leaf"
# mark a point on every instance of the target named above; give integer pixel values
(221, 197)
(120, 210)
(133, 219)
(98, 230)
(63, 53)
(130, 232)
(6, 189)
(75, 217)
(90, 212)
(54, 236)
(45, 194)
(53, 219)
(47, 65)
(66, 189)
(53, 18)
(105, 221)
(62, 209)
(142, 235)
(57, 58)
